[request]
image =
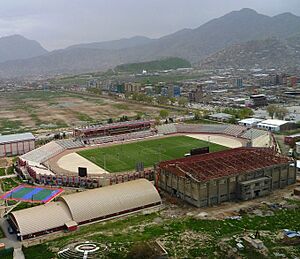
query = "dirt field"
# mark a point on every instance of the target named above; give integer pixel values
(225, 141)
(72, 161)
(34, 110)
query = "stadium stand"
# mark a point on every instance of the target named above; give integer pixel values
(166, 129)
(122, 137)
(70, 143)
(253, 133)
(234, 130)
(231, 130)
(217, 129)
(43, 153)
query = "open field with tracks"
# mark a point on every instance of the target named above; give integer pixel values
(35, 110)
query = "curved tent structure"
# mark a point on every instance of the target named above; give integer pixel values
(48, 217)
(111, 200)
(84, 207)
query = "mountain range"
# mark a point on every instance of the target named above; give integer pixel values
(235, 30)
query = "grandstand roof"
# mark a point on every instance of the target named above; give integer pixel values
(224, 163)
(114, 125)
(89, 205)
(41, 218)
(111, 199)
(16, 137)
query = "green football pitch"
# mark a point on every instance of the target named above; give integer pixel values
(120, 158)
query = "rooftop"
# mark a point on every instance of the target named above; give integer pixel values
(224, 163)
(16, 137)
(250, 120)
(274, 122)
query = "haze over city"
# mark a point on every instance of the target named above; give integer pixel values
(60, 23)
(157, 129)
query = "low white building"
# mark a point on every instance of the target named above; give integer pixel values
(276, 125)
(16, 144)
(250, 122)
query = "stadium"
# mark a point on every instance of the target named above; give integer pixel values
(203, 165)
(125, 151)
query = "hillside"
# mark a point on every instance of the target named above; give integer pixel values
(268, 53)
(194, 45)
(155, 65)
(114, 44)
(18, 47)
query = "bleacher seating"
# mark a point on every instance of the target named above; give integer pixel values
(188, 128)
(213, 128)
(122, 137)
(43, 153)
(70, 143)
(235, 130)
(253, 133)
(166, 129)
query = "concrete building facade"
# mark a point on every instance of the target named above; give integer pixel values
(16, 144)
(236, 174)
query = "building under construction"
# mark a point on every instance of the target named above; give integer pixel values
(235, 174)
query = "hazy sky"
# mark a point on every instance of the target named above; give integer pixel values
(59, 23)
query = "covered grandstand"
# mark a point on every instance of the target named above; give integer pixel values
(85, 207)
(112, 129)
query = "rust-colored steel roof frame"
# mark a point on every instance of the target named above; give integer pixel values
(224, 163)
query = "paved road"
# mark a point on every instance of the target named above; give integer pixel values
(11, 240)
(8, 176)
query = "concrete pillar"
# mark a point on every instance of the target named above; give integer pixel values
(208, 193)
(287, 174)
(199, 196)
(279, 177)
(218, 191)
(228, 186)
(272, 176)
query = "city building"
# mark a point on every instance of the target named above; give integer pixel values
(276, 125)
(258, 100)
(220, 116)
(250, 122)
(133, 87)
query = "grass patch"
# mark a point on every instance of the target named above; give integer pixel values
(83, 117)
(7, 184)
(123, 233)
(124, 157)
(2, 171)
(10, 126)
(120, 106)
(38, 252)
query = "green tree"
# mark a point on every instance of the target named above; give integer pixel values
(281, 112)
(162, 100)
(183, 101)
(271, 109)
(163, 114)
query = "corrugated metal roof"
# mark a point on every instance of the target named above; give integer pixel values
(111, 199)
(43, 217)
(16, 137)
(87, 205)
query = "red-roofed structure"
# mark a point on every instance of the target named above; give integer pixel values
(242, 173)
